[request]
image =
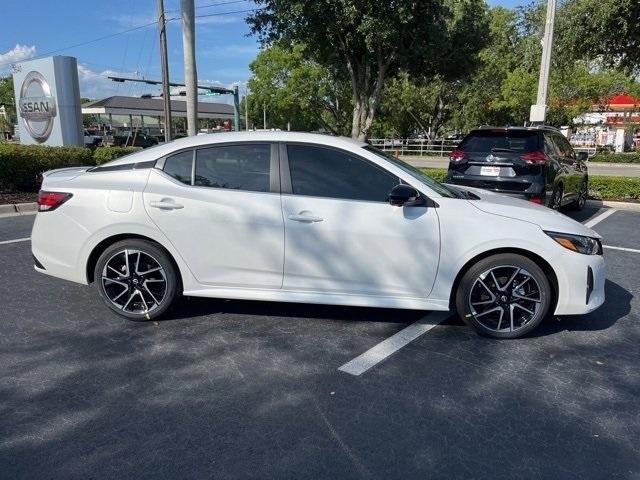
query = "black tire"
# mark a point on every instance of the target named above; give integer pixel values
(476, 314)
(583, 192)
(150, 285)
(555, 201)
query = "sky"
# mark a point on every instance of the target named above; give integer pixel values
(224, 48)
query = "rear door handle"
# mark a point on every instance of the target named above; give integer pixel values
(165, 204)
(305, 217)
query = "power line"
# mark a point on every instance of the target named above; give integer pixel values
(84, 43)
(227, 13)
(209, 5)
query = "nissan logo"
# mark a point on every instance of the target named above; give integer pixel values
(37, 106)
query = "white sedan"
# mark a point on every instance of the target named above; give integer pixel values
(296, 217)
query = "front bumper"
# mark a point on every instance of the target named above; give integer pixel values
(581, 283)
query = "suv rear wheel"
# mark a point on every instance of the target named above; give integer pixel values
(503, 296)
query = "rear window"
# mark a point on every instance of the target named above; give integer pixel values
(488, 141)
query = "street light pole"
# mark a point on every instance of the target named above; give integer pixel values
(538, 112)
(190, 72)
(246, 108)
(164, 62)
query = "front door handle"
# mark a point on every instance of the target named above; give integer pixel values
(165, 204)
(305, 216)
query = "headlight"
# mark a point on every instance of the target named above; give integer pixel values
(577, 243)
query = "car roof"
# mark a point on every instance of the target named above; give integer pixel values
(163, 149)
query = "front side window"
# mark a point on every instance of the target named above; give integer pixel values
(179, 166)
(236, 167)
(326, 172)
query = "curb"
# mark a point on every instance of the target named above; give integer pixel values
(616, 205)
(15, 209)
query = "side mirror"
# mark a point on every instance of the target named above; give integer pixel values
(582, 156)
(405, 196)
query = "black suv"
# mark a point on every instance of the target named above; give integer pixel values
(536, 163)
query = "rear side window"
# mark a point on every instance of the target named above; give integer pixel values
(237, 167)
(563, 145)
(179, 166)
(325, 172)
(487, 141)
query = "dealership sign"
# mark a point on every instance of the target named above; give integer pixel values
(37, 106)
(48, 99)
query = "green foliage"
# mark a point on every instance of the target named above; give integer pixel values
(106, 154)
(22, 165)
(606, 31)
(6, 99)
(437, 174)
(297, 91)
(631, 157)
(614, 188)
(365, 42)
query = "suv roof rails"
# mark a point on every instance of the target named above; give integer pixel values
(518, 127)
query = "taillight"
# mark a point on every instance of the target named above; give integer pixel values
(456, 156)
(534, 157)
(538, 200)
(48, 201)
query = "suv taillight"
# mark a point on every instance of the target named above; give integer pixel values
(456, 156)
(535, 158)
(48, 201)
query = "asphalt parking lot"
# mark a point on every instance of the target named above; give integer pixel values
(232, 389)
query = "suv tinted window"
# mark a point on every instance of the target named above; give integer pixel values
(238, 167)
(325, 172)
(179, 166)
(486, 141)
(563, 145)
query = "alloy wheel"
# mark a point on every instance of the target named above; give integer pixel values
(582, 195)
(134, 281)
(505, 298)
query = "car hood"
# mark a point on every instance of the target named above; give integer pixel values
(545, 218)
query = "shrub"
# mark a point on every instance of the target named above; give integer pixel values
(631, 157)
(22, 165)
(614, 188)
(106, 154)
(600, 187)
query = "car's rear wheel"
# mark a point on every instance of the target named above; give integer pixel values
(504, 296)
(136, 279)
(583, 193)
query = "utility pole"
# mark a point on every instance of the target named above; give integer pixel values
(246, 108)
(236, 108)
(264, 116)
(164, 63)
(190, 72)
(538, 112)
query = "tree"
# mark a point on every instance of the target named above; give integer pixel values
(408, 106)
(604, 31)
(7, 99)
(367, 41)
(296, 91)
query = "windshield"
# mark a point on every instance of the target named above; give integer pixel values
(487, 141)
(437, 187)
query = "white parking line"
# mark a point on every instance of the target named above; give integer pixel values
(624, 249)
(5, 242)
(597, 219)
(387, 347)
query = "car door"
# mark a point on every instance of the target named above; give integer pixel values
(572, 167)
(341, 234)
(219, 205)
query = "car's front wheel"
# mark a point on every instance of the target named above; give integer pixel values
(504, 296)
(136, 279)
